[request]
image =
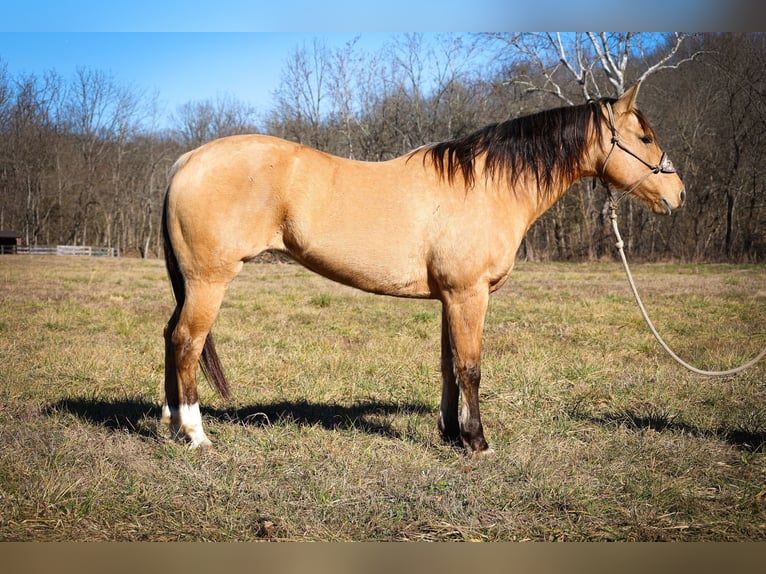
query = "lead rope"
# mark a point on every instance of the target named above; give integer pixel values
(620, 244)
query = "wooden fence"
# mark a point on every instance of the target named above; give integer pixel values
(81, 250)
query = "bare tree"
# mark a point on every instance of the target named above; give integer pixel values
(719, 124)
(199, 122)
(598, 63)
(29, 151)
(302, 97)
(581, 66)
(102, 117)
(347, 67)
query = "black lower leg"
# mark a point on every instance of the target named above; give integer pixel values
(471, 429)
(172, 398)
(449, 427)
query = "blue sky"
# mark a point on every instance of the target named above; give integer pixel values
(201, 49)
(180, 66)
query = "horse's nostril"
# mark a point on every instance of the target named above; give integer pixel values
(682, 196)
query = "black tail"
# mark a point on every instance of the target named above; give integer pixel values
(209, 361)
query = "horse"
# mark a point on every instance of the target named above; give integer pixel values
(442, 222)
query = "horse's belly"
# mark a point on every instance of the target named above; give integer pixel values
(384, 271)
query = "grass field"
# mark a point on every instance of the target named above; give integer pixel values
(332, 431)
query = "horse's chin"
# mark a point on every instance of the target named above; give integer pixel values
(660, 206)
(663, 207)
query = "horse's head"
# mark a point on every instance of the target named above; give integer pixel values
(633, 162)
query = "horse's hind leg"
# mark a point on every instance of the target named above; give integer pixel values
(184, 339)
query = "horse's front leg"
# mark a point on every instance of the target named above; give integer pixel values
(465, 313)
(449, 427)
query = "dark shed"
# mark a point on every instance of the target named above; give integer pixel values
(9, 240)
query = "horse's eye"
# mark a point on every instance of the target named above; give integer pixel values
(647, 139)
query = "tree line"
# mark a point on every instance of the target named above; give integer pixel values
(84, 160)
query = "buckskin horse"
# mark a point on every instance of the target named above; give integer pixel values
(442, 222)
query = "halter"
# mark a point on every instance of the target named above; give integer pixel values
(664, 165)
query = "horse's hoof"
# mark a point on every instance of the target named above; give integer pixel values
(203, 446)
(483, 454)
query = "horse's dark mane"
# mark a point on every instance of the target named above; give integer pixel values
(550, 144)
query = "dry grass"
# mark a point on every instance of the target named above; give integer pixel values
(332, 434)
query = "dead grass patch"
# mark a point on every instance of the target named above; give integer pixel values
(332, 436)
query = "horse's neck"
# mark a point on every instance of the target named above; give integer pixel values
(541, 198)
(544, 199)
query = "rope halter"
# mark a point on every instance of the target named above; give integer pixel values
(664, 165)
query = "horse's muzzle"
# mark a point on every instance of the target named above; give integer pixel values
(681, 201)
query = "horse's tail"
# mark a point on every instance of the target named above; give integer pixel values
(208, 361)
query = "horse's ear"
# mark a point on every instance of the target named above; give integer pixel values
(627, 101)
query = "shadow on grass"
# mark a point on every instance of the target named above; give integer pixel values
(372, 417)
(141, 417)
(118, 415)
(743, 439)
